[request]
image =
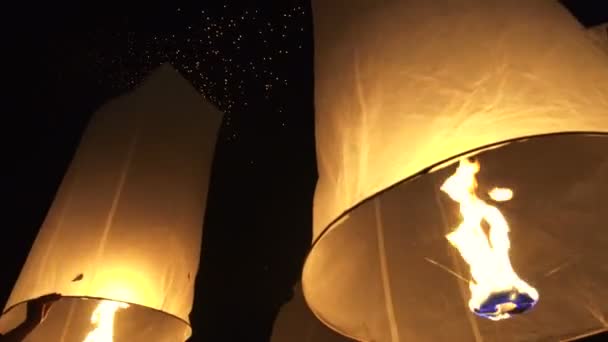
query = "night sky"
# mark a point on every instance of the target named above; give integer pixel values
(253, 62)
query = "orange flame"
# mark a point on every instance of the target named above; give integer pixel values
(103, 318)
(486, 255)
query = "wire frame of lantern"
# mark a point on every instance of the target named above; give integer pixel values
(121, 241)
(462, 150)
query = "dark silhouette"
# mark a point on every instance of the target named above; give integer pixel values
(37, 310)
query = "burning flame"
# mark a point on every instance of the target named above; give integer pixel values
(496, 290)
(103, 318)
(501, 194)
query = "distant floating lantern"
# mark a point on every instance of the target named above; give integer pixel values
(296, 323)
(462, 152)
(122, 240)
(599, 35)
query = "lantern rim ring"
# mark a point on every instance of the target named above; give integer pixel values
(433, 167)
(438, 165)
(7, 310)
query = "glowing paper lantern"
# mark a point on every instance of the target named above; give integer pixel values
(122, 239)
(462, 150)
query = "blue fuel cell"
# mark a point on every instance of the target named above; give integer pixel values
(507, 302)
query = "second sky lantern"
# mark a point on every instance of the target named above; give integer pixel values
(462, 151)
(122, 240)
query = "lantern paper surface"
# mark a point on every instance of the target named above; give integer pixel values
(402, 89)
(126, 222)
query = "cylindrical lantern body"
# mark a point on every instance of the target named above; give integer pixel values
(126, 223)
(402, 89)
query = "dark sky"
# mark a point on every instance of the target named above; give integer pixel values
(254, 62)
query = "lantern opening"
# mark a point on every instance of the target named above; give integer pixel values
(89, 319)
(545, 237)
(103, 318)
(496, 290)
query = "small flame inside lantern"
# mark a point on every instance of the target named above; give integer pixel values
(496, 290)
(103, 318)
(501, 194)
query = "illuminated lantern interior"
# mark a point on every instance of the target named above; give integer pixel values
(496, 290)
(121, 241)
(462, 151)
(103, 318)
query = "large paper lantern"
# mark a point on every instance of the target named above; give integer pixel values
(462, 150)
(121, 241)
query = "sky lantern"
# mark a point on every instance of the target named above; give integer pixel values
(121, 241)
(462, 151)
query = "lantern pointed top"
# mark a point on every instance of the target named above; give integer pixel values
(165, 83)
